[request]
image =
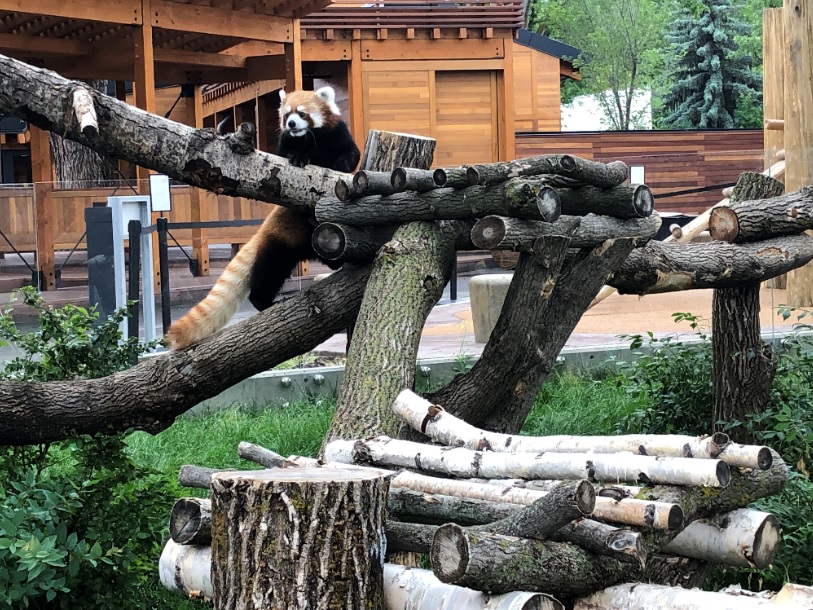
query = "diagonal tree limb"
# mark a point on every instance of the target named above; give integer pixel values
(152, 394)
(198, 157)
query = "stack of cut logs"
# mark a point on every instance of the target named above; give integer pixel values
(512, 521)
(499, 206)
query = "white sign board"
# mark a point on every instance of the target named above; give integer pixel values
(637, 174)
(159, 192)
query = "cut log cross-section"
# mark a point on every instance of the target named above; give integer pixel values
(298, 539)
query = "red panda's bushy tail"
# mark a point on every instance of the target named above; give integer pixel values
(234, 285)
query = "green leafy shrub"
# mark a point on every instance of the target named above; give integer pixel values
(80, 524)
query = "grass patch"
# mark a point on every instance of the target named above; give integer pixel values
(584, 404)
(212, 440)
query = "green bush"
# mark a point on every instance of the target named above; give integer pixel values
(80, 524)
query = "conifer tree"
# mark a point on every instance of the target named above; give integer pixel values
(709, 78)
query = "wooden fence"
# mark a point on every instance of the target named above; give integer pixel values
(672, 160)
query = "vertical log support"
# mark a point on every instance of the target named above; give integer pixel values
(798, 47)
(408, 278)
(144, 98)
(299, 538)
(294, 80)
(743, 365)
(200, 242)
(42, 173)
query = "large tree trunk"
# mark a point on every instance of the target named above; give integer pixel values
(77, 166)
(299, 539)
(540, 311)
(743, 365)
(408, 278)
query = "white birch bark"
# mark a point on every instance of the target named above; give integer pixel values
(445, 428)
(462, 462)
(639, 596)
(657, 515)
(407, 588)
(186, 569)
(85, 112)
(742, 538)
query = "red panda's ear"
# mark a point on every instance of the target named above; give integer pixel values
(282, 95)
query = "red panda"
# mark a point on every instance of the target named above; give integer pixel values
(311, 132)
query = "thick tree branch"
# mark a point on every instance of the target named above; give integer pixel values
(667, 267)
(195, 156)
(152, 394)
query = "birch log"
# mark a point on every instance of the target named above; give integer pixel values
(298, 538)
(443, 427)
(185, 569)
(639, 596)
(415, 589)
(85, 112)
(630, 511)
(468, 463)
(190, 521)
(742, 538)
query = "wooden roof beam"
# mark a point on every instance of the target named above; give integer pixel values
(219, 22)
(39, 45)
(111, 11)
(195, 58)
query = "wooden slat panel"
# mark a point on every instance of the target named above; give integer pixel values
(672, 160)
(465, 110)
(397, 101)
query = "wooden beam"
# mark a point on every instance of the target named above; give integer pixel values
(195, 58)
(39, 45)
(220, 22)
(355, 91)
(505, 106)
(437, 50)
(110, 11)
(198, 201)
(252, 48)
(326, 50)
(293, 60)
(450, 65)
(798, 47)
(42, 171)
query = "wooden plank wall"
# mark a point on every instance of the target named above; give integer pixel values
(18, 224)
(672, 160)
(537, 90)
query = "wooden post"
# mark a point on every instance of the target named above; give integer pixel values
(505, 105)
(798, 21)
(293, 59)
(121, 94)
(773, 93)
(42, 174)
(299, 538)
(355, 92)
(198, 202)
(144, 98)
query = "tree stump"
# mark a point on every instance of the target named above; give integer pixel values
(299, 539)
(387, 150)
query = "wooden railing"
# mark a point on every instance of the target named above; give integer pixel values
(402, 14)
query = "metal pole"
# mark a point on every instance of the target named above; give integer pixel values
(134, 230)
(163, 267)
(453, 281)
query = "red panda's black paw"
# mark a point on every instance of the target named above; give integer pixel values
(298, 160)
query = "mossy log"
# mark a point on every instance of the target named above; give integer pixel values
(299, 539)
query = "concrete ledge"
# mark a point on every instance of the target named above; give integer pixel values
(487, 295)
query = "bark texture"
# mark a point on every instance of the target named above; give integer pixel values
(298, 539)
(624, 201)
(540, 311)
(197, 157)
(386, 150)
(503, 233)
(759, 219)
(153, 393)
(77, 166)
(190, 521)
(580, 170)
(743, 365)
(519, 198)
(408, 278)
(668, 267)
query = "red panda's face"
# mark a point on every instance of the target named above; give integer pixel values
(303, 111)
